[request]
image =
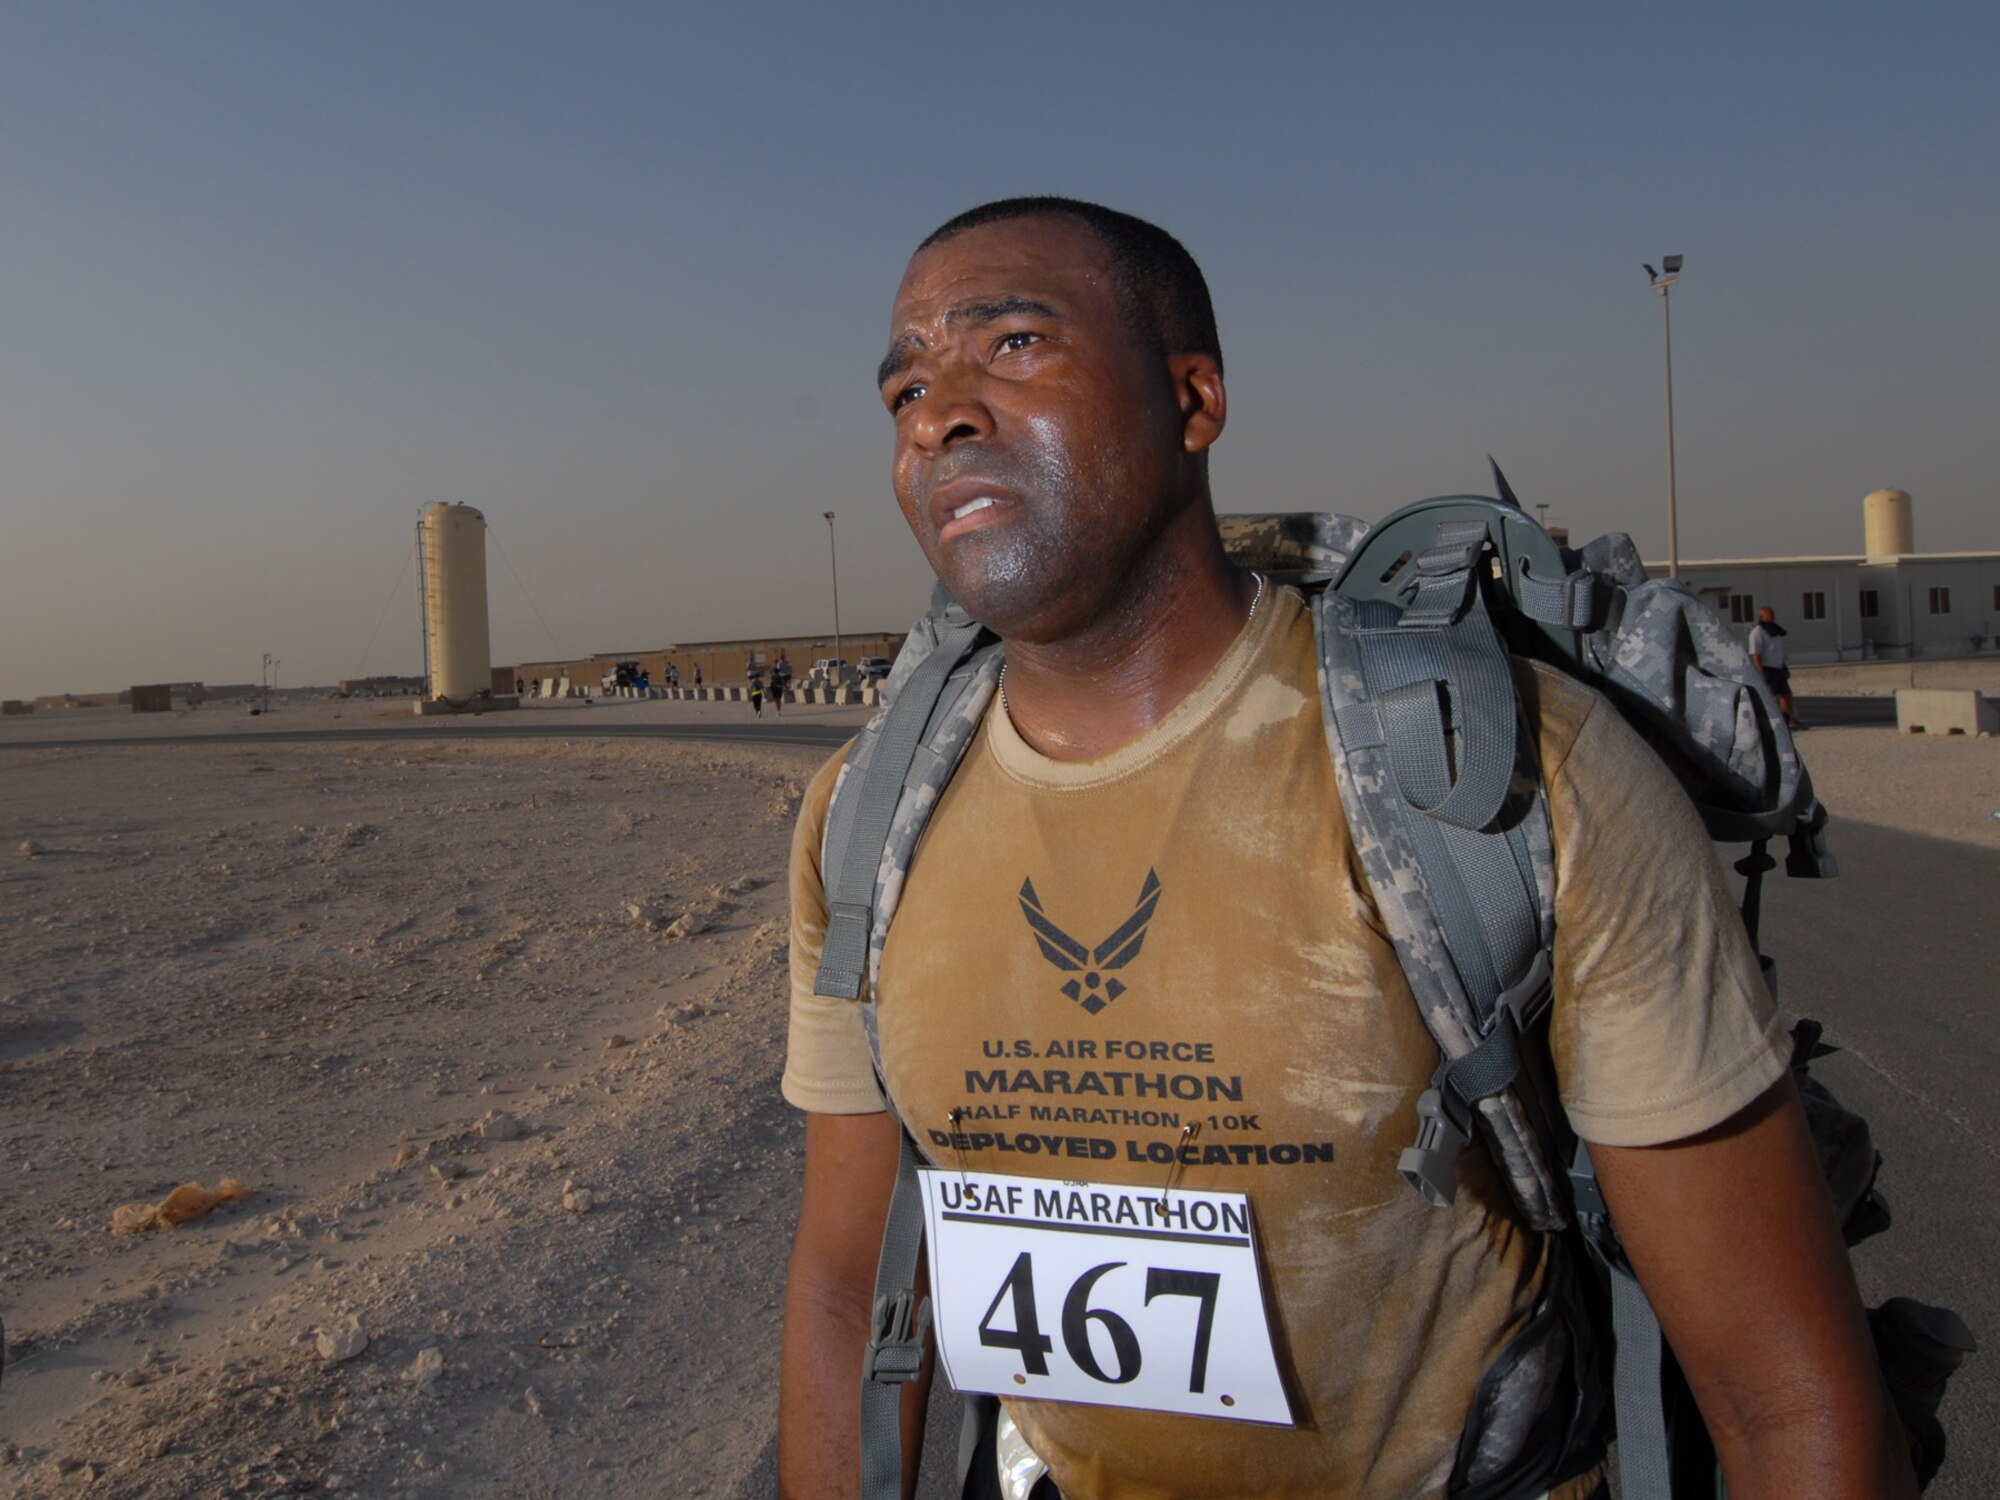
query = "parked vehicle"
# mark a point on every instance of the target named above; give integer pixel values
(829, 671)
(872, 668)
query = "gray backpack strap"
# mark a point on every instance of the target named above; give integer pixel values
(895, 1354)
(1645, 1456)
(865, 803)
(1645, 1464)
(881, 804)
(1445, 808)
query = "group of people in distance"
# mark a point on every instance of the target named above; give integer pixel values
(781, 683)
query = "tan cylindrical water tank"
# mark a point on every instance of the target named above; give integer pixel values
(1887, 527)
(456, 642)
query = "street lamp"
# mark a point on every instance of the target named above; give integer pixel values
(271, 665)
(1662, 282)
(833, 554)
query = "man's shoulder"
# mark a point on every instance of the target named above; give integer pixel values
(1558, 707)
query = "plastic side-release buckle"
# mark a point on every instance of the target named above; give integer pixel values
(1431, 1165)
(896, 1352)
(1444, 1112)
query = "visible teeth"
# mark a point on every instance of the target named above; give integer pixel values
(967, 509)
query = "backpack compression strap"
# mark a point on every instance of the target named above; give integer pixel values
(896, 1333)
(860, 820)
(1424, 726)
(881, 803)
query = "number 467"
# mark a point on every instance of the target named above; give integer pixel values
(1027, 1339)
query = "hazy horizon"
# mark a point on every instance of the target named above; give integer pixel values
(279, 277)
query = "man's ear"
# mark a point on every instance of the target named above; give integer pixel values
(1204, 401)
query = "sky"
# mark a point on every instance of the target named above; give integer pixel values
(273, 278)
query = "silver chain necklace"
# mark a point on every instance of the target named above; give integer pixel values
(1255, 600)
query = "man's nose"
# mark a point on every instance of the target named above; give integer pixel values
(951, 411)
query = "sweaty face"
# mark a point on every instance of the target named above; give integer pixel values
(1038, 439)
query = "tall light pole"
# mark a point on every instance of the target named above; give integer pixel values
(833, 553)
(1662, 282)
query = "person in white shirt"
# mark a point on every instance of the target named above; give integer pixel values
(1767, 649)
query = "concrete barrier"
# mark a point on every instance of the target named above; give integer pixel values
(1946, 711)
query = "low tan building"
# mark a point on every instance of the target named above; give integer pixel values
(722, 663)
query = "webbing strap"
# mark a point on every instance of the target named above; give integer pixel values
(1445, 574)
(1496, 883)
(1644, 1469)
(1488, 1068)
(1419, 744)
(856, 837)
(896, 1339)
(1413, 674)
(1457, 918)
(1569, 602)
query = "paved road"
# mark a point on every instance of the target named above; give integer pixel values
(808, 733)
(1897, 958)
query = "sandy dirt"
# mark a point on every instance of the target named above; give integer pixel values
(426, 1002)
(522, 1183)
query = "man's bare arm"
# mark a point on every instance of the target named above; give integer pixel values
(850, 1172)
(1732, 1234)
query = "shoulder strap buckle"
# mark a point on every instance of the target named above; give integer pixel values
(896, 1352)
(1431, 1165)
(1447, 577)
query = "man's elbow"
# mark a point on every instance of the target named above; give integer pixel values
(1801, 1435)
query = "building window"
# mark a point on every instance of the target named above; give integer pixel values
(1815, 605)
(1940, 601)
(1742, 610)
(1871, 604)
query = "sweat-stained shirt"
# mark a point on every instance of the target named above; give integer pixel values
(1265, 1001)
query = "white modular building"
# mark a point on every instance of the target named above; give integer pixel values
(1890, 603)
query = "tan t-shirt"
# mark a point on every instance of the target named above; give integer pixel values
(1236, 974)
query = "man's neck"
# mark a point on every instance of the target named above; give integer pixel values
(1094, 692)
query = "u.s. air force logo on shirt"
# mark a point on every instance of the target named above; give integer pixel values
(1097, 988)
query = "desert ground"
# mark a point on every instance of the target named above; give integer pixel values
(490, 1029)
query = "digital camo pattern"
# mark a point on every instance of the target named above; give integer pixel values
(1673, 666)
(1511, 1410)
(954, 722)
(1397, 878)
(1294, 547)
(945, 614)
(1613, 558)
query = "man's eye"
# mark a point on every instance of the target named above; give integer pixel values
(905, 396)
(1011, 342)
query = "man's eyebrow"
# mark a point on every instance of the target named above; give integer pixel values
(976, 314)
(898, 357)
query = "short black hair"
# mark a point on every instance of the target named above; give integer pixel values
(1165, 295)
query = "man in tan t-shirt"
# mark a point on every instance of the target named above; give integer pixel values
(1136, 923)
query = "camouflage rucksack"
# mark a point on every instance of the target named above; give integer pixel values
(1415, 619)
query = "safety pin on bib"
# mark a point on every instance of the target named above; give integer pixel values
(957, 1146)
(1190, 1132)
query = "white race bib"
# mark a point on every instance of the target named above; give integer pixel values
(1121, 1296)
